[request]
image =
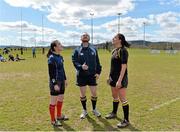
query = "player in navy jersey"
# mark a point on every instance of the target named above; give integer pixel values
(57, 82)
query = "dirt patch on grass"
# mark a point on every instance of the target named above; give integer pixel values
(8, 76)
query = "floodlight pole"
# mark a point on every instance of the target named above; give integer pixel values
(92, 24)
(35, 37)
(119, 17)
(21, 34)
(144, 41)
(42, 29)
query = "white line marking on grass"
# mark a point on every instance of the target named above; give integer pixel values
(164, 104)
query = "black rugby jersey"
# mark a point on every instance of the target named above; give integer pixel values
(119, 57)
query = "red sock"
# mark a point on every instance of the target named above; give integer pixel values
(52, 112)
(59, 108)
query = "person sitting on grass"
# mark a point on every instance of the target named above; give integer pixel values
(11, 57)
(18, 58)
(2, 59)
(57, 82)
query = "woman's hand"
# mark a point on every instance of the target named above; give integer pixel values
(56, 87)
(109, 80)
(118, 84)
(66, 83)
(97, 76)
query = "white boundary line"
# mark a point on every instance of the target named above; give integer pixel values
(164, 104)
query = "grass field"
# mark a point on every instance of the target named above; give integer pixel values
(153, 94)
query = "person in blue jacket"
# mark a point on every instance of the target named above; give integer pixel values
(57, 82)
(86, 62)
(34, 52)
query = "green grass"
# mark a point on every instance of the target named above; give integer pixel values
(153, 80)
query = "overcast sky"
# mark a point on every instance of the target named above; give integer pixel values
(66, 20)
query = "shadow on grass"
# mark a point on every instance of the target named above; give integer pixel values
(58, 129)
(96, 127)
(132, 128)
(64, 127)
(107, 125)
(67, 127)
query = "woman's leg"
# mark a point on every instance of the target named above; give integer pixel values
(53, 100)
(115, 99)
(60, 99)
(125, 105)
(115, 103)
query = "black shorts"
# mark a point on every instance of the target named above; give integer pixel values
(114, 80)
(56, 93)
(86, 80)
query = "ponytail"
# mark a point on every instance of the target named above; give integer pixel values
(49, 53)
(53, 44)
(126, 44)
(123, 40)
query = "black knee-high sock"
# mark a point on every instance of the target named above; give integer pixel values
(83, 102)
(115, 106)
(93, 100)
(125, 106)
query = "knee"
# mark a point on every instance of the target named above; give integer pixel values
(83, 98)
(123, 100)
(82, 92)
(93, 98)
(60, 98)
(52, 102)
(115, 95)
(82, 95)
(94, 93)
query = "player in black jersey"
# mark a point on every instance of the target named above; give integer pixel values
(118, 78)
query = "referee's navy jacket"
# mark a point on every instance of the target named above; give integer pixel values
(89, 56)
(56, 68)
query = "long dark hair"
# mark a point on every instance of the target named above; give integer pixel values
(123, 40)
(51, 50)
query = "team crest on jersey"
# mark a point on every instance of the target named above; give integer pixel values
(92, 53)
(81, 54)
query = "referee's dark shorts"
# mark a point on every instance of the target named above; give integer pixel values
(89, 80)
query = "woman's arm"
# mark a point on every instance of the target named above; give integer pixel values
(124, 61)
(65, 78)
(52, 71)
(123, 70)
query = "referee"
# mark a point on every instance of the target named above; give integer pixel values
(86, 61)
